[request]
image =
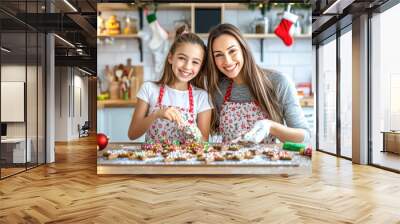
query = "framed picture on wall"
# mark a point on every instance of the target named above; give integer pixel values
(12, 101)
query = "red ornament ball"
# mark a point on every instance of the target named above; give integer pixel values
(102, 141)
(308, 152)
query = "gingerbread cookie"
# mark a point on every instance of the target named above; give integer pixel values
(234, 156)
(193, 147)
(218, 156)
(248, 155)
(177, 156)
(234, 147)
(284, 155)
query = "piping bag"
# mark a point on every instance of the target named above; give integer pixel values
(291, 146)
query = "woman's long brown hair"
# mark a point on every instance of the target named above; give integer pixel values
(254, 77)
(183, 36)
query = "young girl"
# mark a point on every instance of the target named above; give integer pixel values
(260, 103)
(174, 108)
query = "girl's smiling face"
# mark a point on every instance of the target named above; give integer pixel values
(186, 61)
(228, 55)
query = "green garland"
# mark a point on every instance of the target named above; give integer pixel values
(268, 6)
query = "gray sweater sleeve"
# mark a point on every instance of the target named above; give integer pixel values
(287, 98)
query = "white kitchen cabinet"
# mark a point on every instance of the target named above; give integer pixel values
(114, 122)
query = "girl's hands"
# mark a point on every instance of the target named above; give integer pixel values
(191, 131)
(171, 114)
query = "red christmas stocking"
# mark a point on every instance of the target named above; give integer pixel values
(283, 29)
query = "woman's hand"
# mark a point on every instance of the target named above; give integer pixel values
(259, 131)
(171, 114)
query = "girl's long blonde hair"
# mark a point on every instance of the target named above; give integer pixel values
(254, 77)
(183, 36)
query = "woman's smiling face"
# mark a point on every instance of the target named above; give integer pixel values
(228, 55)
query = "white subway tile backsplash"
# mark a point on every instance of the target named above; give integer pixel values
(302, 74)
(254, 45)
(294, 62)
(295, 58)
(285, 70)
(231, 16)
(302, 44)
(276, 44)
(271, 59)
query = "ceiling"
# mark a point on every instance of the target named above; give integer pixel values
(75, 23)
(328, 16)
(79, 27)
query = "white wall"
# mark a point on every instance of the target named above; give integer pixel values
(17, 73)
(68, 83)
(33, 127)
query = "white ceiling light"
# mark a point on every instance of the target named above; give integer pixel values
(86, 72)
(5, 49)
(70, 5)
(65, 41)
(337, 7)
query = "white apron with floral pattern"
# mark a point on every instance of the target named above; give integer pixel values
(237, 118)
(163, 129)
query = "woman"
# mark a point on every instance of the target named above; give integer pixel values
(260, 103)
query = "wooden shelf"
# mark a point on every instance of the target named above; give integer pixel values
(239, 6)
(132, 7)
(115, 103)
(270, 36)
(202, 35)
(205, 35)
(307, 101)
(127, 36)
(260, 36)
(119, 36)
(171, 6)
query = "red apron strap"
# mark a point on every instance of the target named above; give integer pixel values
(228, 92)
(191, 103)
(160, 95)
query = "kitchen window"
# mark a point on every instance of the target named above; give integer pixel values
(385, 89)
(327, 97)
(346, 93)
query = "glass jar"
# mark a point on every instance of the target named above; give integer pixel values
(130, 26)
(261, 25)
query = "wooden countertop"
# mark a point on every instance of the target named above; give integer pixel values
(258, 165)
(115, 103)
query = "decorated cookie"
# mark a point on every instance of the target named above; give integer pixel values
(234, 147)
(248, 155)
(218, 156)
(284, 155)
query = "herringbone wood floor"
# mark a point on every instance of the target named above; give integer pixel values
(69, 191)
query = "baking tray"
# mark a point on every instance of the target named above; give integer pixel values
(258, 165)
